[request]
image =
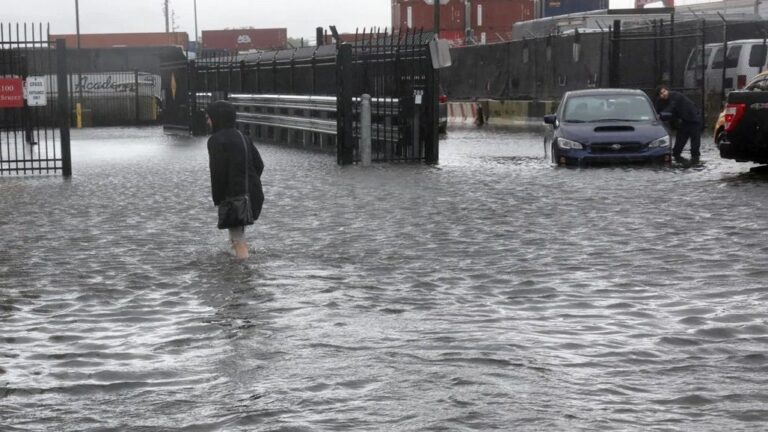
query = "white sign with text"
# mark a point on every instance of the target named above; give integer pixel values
(35, 88)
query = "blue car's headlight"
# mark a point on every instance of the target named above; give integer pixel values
(568, 144)
(661, 142)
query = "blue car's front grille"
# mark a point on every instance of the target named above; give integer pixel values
(616, 148)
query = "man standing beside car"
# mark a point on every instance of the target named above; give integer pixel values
(680, 107)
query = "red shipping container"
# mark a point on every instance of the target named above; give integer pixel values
(245, 39)
(483, 16)
(114, 40)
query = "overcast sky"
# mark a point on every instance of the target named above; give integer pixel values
(301, 17)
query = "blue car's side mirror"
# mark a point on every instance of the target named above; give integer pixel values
(550, 119)
(665, 116)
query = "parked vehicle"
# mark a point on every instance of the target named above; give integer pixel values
(745, 58)
(745, 119)
(720, 135)
(606, 125)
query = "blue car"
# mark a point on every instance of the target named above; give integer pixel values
(607, 126)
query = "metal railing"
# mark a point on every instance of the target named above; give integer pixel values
(314, 114)
(300, 113)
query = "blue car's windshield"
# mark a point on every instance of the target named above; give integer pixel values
(596, 108)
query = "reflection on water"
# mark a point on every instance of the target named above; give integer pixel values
(493, 291)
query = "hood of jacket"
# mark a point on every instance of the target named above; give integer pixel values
(222, 114)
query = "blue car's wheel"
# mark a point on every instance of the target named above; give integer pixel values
(556, 157)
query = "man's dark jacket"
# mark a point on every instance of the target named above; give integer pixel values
(680, 106)
(227, 157)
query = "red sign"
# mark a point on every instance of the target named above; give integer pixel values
(11, 93)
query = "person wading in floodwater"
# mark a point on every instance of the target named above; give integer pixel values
(230, 154)
(689, 125)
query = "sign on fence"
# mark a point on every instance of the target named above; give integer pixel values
(36, 91)
(11, 93)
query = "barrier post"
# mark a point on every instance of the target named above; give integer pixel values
(136, 95)
(365, 129)
(63, 108)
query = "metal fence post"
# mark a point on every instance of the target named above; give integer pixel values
(432, 150)
(63, 108)
(672, 49)
(344, 145)
(136, 95)
(725, 58)
(243, 76)
(703, 70)
(615, 68)
(365, 129)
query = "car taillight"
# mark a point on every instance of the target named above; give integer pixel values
(741, 81)
(733, 115)
(443, 98)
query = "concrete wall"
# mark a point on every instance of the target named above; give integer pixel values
(500, 112)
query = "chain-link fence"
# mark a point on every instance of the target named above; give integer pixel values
(688, 56)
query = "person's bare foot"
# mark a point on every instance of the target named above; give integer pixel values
(241, 250)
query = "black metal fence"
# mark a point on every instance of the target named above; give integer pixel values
(394, 69)
(178, 98)
(641, 57)
(34, 125)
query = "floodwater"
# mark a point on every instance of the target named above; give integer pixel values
(492, 292)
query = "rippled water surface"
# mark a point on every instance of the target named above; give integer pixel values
(492, 292)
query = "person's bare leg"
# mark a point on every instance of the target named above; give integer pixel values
(239, 244)
(241, 249)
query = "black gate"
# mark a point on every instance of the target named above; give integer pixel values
(34, 101)
(178, 97)
(396, 71)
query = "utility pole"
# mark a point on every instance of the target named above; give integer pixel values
(167, 16)
(437, 18)
(77, 21)
(197, 41)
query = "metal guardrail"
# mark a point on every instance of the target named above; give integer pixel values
(304, 113)
(307, 124)
(308, 103)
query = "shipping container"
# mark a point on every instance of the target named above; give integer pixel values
(245, 39)
(118, 40)
(492, 18)
(564, 7)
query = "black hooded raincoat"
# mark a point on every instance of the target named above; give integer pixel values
(227, 157)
